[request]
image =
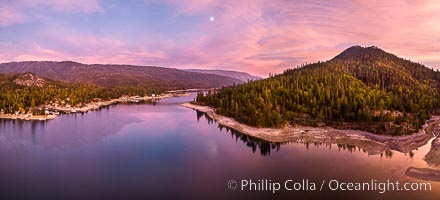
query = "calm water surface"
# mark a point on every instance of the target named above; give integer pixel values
(165, 151)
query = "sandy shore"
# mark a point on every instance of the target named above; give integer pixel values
(372, 143)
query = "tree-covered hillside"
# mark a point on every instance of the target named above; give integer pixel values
(361, 88)
(24, 92)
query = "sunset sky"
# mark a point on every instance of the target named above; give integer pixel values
(258, 37)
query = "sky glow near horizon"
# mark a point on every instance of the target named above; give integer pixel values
(259, 37)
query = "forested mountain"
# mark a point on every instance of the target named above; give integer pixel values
(245, 77)
(158, 78)
(361, 88)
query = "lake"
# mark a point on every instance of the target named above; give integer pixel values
(166, 151)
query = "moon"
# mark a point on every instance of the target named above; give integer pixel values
(211, 18)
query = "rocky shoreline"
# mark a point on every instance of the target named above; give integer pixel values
(372, 143)
(27, 117)
(426, 174)
(54, 111)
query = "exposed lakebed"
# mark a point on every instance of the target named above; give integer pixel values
(168, 151)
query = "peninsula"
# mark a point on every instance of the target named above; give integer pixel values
(364, 97)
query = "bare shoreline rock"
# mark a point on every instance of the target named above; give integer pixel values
(433, 156)
(425, 174)
(372, 143)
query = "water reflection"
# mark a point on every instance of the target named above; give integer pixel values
(265, 147)
(68, 131)
(255, 144)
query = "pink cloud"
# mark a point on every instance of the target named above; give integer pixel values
(68, 44)
(39, 49)
(9, 15)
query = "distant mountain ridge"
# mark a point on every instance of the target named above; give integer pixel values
(243, 76)
(119, 75)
